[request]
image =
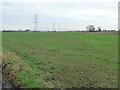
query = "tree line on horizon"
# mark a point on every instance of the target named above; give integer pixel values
(57, 31)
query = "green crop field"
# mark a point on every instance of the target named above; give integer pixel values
(61, 59)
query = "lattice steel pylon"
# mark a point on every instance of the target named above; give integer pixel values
(54, 27)
(35, 23)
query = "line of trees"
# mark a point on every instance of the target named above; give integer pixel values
(91, 28)
(27, 30)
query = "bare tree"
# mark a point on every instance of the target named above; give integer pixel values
(90, 28)
(99, 29)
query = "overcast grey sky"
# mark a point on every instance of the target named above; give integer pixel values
(66, 14)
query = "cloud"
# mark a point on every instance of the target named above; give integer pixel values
(79, 12)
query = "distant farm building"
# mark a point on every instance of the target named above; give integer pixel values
(90, 28)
